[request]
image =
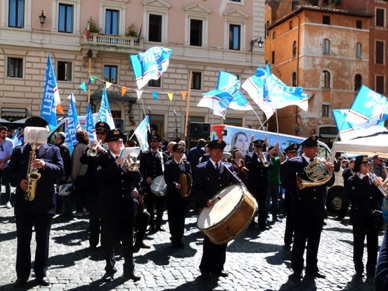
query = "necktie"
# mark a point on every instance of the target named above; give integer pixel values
(117, 157)
(217, 169)
(311, 160)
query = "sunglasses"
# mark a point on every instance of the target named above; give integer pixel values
(258, 146)
(154, 140)
(100, 133)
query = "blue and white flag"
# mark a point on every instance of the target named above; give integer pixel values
(348, 131)
(105, 114)
(89, 123)
(369, 108)
(72, 125)
(150, 65)
(270, 93)
(228, 90)
(141, 133)
(51, 99)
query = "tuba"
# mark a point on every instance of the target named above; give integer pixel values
(32, 176)
(317, 173)
(186, 183)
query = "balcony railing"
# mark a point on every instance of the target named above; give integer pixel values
(109, 40)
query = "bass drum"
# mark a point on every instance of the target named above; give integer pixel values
(229, 216)
(158, 186)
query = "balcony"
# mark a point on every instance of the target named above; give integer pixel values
(112, 43)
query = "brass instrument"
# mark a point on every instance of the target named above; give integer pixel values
(186, 183)
(382, 189)
(32, 176)
(131, 154)
(93, 151)
(317, 172)
(264, 161)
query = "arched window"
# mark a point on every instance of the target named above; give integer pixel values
(326, 46)
(294, 49)
(358, 50)
(273, 35)
(291, 25)
(325, 79)
(357, 82)
(294, 81)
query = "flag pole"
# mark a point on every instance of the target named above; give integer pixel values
(90, 73)
(188, 101)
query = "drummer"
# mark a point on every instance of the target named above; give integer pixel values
(211, 177)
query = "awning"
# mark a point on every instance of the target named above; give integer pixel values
(327, 135)
(14, 112)
(113, 96)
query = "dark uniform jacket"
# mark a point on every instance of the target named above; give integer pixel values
(207, 182)
(116, 185)
(364, 197)
(171, 176)
(309, 202)
(150, 165)
(45, 200)
(258, 174)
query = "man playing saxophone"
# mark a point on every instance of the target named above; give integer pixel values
(35, 209)
(308, 206)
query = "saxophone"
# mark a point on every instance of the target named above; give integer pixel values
(32, 176)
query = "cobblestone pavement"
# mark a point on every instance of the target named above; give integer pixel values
(254, 261)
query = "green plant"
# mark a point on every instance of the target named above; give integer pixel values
(131, 30)
(92, 25)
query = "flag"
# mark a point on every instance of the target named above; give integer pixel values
(16, 139)
(270, 93)
(141, 133)
(51, 99)
(369, 108)
(139, 35)
(88, 31)
(89, 123)
(227, 91)
(72, 125)
(105, 114)
(150, 65)
(348, 131)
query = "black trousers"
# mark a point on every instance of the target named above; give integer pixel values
(176, 218)
(141, 222)
(113, 229)
(372, 234)
(306, 230)
(213, 257)
(261, 198)
(95, 224)
(155, 202)
(289, 231)
(42, 226)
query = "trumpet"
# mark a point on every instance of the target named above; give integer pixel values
(264, 161)
(93, 151)
(373, 177)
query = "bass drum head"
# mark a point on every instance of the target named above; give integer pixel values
(222, 208)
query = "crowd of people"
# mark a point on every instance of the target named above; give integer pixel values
(125, 197)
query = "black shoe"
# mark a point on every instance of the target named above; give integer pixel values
(205, 276)
(159, 228)
(108, 276)
(131, 275)
(297, 275)
(264, 228)
(42, 281)
(316, 275)
(151, 228)
(19, 283)
(222, 274)
(141, 244)
(287, 247)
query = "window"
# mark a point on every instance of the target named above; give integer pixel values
(294, 49)
(380, 84)
(326, 46)
(65, 18)
(110, 74)
(273, 57)
(234, 36)
(326, 20)
(325, 110)
(64, 71)
(273, 35)
(358, 50)
(379, 53)
(155, 28)
(380, 17)
(196, 80)
(294, 81)
(15, 68)
(157, 123)
(291, 25)
(16, 13)
(325, 79)
(357, 82)
(233, 121)
(196, 32)
(294, 5)
(154, 83)
(358, 24)
(112, 22)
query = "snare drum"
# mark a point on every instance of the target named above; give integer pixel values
(229, 216)
(158, 186)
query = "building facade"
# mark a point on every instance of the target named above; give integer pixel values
(96, 37)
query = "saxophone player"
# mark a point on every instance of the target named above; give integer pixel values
(308, 208)
(176, 204)
(38, 210)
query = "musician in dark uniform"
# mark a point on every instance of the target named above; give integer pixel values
(211, 177)
(97, 147)
(176, 204)
(151, 166)
(364, 198)
(116, 205)
(38, 213)
(308, 207)
(290, 152)
(258, 178)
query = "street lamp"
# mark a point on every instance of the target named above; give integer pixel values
(259, 42)
(42, 18)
